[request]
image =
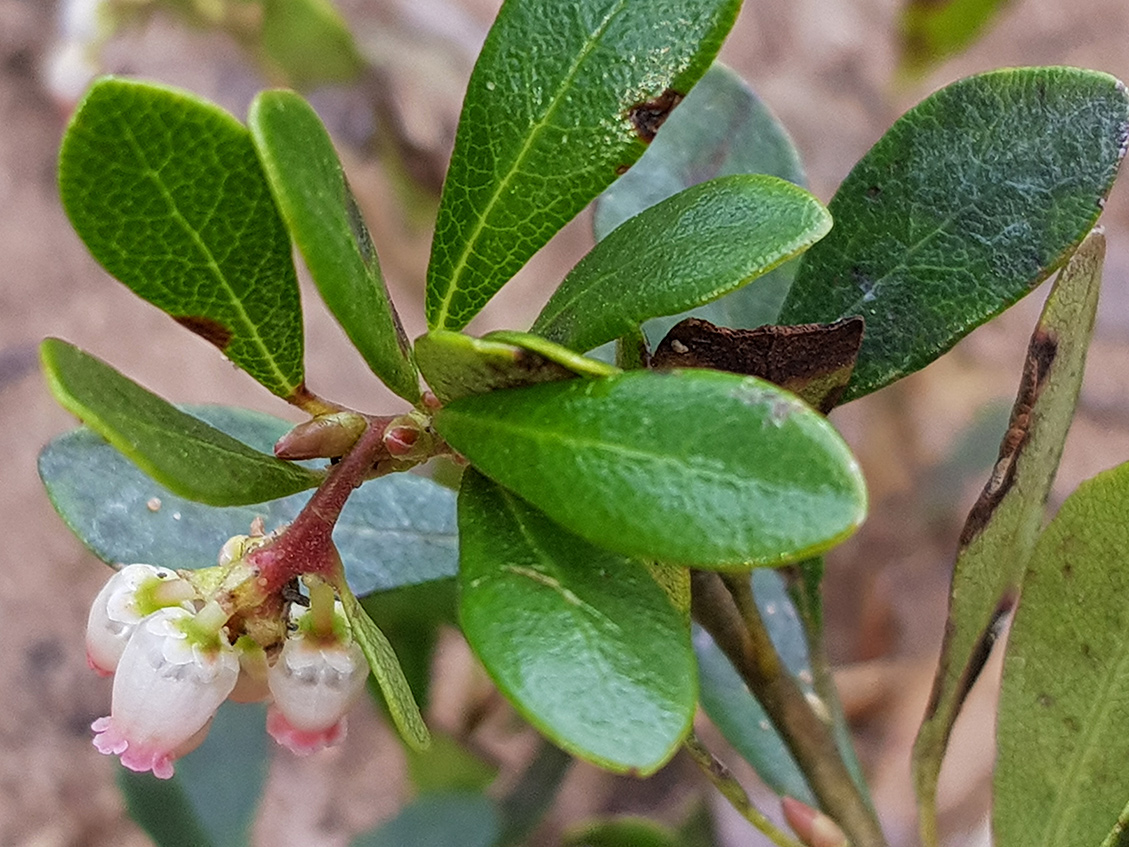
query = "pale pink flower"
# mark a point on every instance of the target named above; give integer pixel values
(168, 685)
(130, 595)
(314, 682)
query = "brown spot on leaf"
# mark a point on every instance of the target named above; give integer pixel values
(206, 328)
(983, 648)
(1040, 356)
(647, 117)
(622, 169)
(814, 361)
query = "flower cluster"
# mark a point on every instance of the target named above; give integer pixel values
(180, 643)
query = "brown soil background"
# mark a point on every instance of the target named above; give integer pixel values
(826, 67)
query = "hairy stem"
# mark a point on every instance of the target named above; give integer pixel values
(724, 607)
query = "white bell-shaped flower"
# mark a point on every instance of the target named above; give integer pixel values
(131, 594)
(171, 678)
(314, 681)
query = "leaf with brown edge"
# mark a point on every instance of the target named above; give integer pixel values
(1002, 527)
(813, 361)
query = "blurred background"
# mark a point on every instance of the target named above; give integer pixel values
(833, 72)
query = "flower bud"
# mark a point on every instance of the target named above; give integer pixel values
(322, 437)
(314, 681)
(170, 680)
(131, 594)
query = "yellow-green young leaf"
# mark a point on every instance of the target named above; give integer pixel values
(314, 198)
(168, 194)
(1000, 533)
(457, 365)
(689, 249)
(1060, 776)
(690, 467)
(969, 201)
(932, 31)
(563, 98)
(584, 642)
(180, 451)
(387, 672)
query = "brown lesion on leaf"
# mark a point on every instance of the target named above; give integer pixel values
(207, 328)
(649, 115)
(1040, 356)
(814, 361)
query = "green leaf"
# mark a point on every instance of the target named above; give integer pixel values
(623, 831)
(692, 467)
(387, 672)
(582, 641)
(721, 128)
(932, 31)
(211, 799)
(684, 251)
(447, 765)
(396, 530)
(1060, 772)
(179, 451)
(314, 198)
(968, 202)
(1001, 530)
(168, 194)
(457, 365)
(551, 115)
(438, 820)
(307, 43)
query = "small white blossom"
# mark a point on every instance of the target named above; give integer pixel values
(168, 685)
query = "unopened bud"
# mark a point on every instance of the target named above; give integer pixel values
(812, 826)
(322, 437)
(408, 437)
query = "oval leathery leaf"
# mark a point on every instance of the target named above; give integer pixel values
(552, 115)
(168, 194)
(689, 467)
(582, 641)
(969, 201)
(687, 250)
(314, 198)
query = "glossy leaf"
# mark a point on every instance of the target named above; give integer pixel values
(440, 819)
(684, 251)
(552, 114)
(457, 365)
(693, 467)
(179, 451)
(396, 530)
(1060, 772)
(721, 128)
(970, 200)
(932, 31)
(212, 798)
(314, 198)
(168, 194)
(1001, 530)
(582, 641)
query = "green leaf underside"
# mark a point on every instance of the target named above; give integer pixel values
(693, 467)
(971, 199)
(211, 799)
(1060, 772)
(546, 124)
(168, 195)
(933, 31)
(682, 252)
(314, 198)
(394, 531)
(179, 451)
(457, 365)
(439, 819)
(584, 642)
(721, 128)
(389, 675)
(1008, 516)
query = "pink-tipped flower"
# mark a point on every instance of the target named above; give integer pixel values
(173, 675)
(131, 594)
(314, 681)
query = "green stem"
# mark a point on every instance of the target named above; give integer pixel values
(725, 608)
(729, 788)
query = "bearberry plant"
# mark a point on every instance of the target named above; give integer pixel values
(603, 502)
